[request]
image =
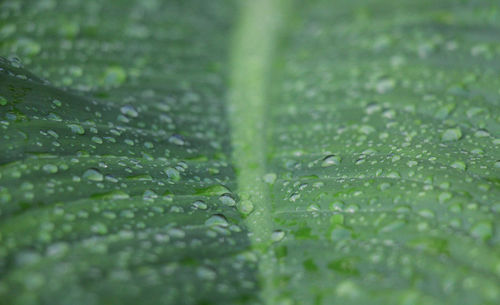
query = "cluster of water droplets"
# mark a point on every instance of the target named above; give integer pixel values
(124, 179)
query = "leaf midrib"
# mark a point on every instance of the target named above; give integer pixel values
(254, 42)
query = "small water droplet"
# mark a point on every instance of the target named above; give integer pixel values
(3, 101)
(366, 129)
(294, 197)
(245, 206)
(129, 111)
(113, 76)
(444, 196)
(75, 128)
(50, 168)
(198, 204)
(206, 273)
(227, 199)
(337, 206)
(270, 178)
(93, 174)
(277, 235)
(177, 140)
(482, 230)
(173, 174)
(313, 207)
(330, 160)
(451, 134)
(459, 165)
(218, 220)
(57, 103)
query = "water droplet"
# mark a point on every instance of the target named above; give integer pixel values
(198, 204)
(113, 76)
(481, 134)
(411, 163)
(473, 111)
(75, 128)
(277, 235)
(482, 230)
(394, 175)
(330, 160)
(270, 178)
(50, 168)
(127, 214)
(176, 233)
(245, 207)
(352, 208)
(313, 207)
(337, 206)
(452, 134)
(444, 196)
(129, 111)
(93, 174)
(366, 129)
(426, 213)
(294, 197)
(173, 174)
(227, 199)
(177, 140)
(459, 165)
(383, 186)
(206, 273)
(57, 103)
(348, 289)
(218, 220)
(97, 140)
(99, 228)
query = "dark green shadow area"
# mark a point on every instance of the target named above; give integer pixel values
(115, 176)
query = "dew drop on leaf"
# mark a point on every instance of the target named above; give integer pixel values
(129, 111)
(77, 129)
(330, 160)
(217, 220)
(459, 165)
(227, 200)
(245, 206)
(177, 140)
(50, 168)
(173, 174)
(452, 134)
(482, 230)
(270, 178)
(199, 204)
(277, 235)
(93, 174)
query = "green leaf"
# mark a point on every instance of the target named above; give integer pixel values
(252, 152)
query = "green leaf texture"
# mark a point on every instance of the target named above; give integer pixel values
(249, 152)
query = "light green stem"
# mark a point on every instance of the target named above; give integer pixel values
(252, 52)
